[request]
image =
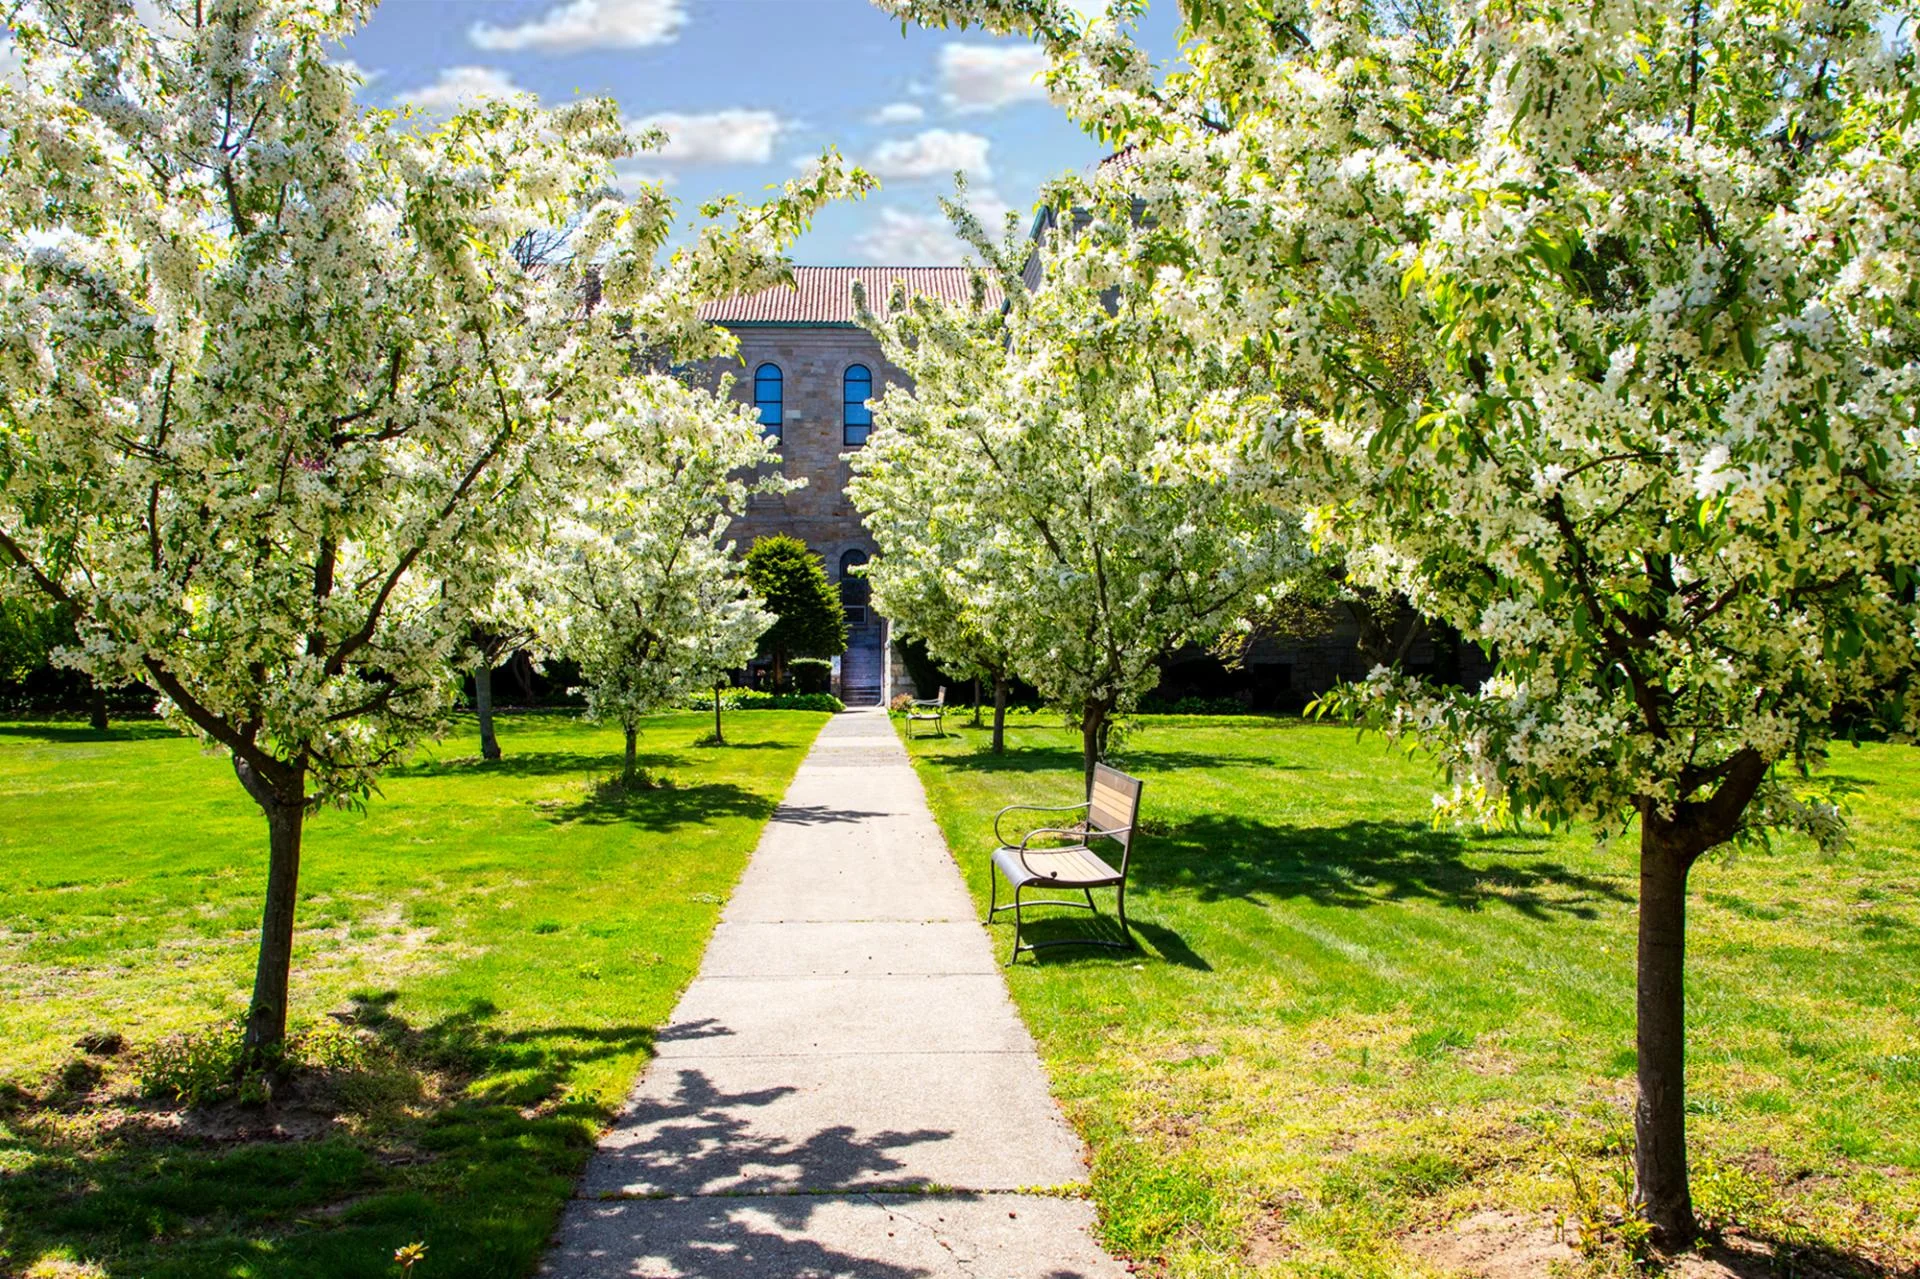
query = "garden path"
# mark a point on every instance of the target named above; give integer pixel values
(845, 1088)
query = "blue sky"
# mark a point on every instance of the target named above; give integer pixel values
(749, 90)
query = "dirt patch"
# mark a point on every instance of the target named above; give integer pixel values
(1496, 1245)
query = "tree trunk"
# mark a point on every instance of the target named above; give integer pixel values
(719, 738)
(976, 701)
(1000, 714)
(1093, 738)
(633, 739)
(1660, 1111)
(483, 707)
(266, 1031)
(779, 668)
(96, 706)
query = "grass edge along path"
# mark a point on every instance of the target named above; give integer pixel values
(485, 953)
(1347, 1032)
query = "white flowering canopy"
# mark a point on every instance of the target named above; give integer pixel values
(1595, 329)
(279, 393)
(1053, 479)
(642, 587)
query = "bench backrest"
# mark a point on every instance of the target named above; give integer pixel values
(941, 699)
(1115, 804)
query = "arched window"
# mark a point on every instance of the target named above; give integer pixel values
(856, 417)
(854, 591)
(768, 389)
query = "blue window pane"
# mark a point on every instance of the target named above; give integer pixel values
(767, 397)
(856, 417)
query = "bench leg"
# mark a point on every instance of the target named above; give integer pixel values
(1015, 952)
(993, 889)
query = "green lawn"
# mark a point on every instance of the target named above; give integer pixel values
(503, 939)
(1348, 1031)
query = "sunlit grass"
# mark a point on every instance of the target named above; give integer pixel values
(1346, 1027)
(507, 936)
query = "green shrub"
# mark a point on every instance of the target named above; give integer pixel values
(201, 1067)
(749, 699)
(195, 1068)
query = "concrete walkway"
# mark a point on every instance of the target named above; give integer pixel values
(845, 1089)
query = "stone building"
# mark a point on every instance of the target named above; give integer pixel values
(810, 369)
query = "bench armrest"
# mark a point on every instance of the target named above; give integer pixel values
(1030, 808)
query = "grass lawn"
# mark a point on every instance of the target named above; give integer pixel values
(1348, 1032)
(501, 940)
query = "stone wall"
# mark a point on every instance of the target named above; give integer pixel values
(813, 360)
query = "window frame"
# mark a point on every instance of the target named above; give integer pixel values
(848, 405)
(776, 429)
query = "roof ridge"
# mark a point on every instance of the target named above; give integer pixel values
(817, 295)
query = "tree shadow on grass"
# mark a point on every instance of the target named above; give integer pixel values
(479, 1164)
(1362, 864)
(536, 764)
(1140, 762)
(1796, 1259)
(663, 809)
(71, 734)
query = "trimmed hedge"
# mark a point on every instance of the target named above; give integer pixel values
(748, 699)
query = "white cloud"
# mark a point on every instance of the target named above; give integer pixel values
(460, 87)
(631, 174)
(986, 77)
(931, 153)
(899, 238)
(898, 113)
(734, 136)
(902, 237)
(588, 24)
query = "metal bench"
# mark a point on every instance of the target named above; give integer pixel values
(929, 710)
(1111, 812)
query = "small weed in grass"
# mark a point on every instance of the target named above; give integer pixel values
(1437, 1041)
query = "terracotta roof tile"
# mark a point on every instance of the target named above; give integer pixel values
(824, 294)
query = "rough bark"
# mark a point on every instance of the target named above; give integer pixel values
(1095, 720)
(719, 738)
(483, 707)
(976, 701)
(1660, 1111)
(285, 810)
(628, 771)
(1000, 713)
(96, 707)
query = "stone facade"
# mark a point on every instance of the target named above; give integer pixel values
(813, 360)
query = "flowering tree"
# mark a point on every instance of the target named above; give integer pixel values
(274, 379)
(920, 581)
(1594, 330)
(1048, 472)
(916, 593)
(648, 596)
